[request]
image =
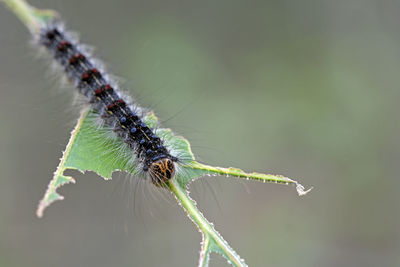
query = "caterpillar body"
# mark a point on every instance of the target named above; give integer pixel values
(110, 104)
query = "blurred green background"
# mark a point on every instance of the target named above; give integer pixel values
(307, 89)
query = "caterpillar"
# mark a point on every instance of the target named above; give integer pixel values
(109, 102)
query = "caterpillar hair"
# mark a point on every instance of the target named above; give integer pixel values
(115, 109)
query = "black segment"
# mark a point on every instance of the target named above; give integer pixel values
(90, 81)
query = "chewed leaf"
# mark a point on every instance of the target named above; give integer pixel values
(266, 178)
(93, 148)
(90, 149)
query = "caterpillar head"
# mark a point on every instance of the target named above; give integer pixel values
(161, 171)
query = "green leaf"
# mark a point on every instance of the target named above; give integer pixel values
(93, 148)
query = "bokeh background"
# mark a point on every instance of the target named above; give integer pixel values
(307, 89)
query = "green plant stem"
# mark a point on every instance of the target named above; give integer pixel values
(211, 235)
(204, 253)
(31, 17)
(25, 13)
(34, 19)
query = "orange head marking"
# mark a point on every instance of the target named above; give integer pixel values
(161, 171)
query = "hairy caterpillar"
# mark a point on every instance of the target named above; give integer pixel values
(115, 109)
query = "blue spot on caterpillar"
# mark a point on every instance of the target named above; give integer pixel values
(106, 100)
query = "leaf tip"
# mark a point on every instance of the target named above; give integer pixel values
(301, 190)
(44, 203)
(51, 194)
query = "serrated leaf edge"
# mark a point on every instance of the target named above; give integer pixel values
(58, 174)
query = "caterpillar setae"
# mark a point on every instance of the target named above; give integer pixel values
(115, 109)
